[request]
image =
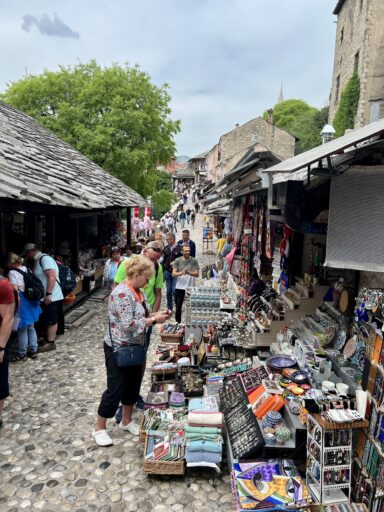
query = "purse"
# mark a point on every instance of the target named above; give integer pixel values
(127, 355)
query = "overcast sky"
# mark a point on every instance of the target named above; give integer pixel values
(223, 59)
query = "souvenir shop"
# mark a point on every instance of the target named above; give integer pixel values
(78, 239)
(278, 376)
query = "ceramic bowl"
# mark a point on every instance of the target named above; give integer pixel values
(281, 361)
(299, 377)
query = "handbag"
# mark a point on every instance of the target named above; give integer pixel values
(127, 355)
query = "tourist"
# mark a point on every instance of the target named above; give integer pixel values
(185, 198)
(111, 266)
(188, 213)
(152, 289)
(128, 317)
(171, 252)
(7, 309)
(182, 218)
(188, 241)
(197, 206)
(170, 223)
(193, 218)
(46, 269)
(153, 225)
(185, 269)
(29, 311)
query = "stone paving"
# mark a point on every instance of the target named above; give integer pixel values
(48, 460)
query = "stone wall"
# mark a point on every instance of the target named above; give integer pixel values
(360, 45)
(233, 145)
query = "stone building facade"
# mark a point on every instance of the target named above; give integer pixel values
(360, 46)
(233, 145)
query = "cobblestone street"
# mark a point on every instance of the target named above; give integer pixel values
(48, 460)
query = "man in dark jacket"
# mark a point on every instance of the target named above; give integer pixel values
(188, 241)
(171, 252)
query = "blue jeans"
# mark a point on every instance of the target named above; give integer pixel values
(182, 223)
(27, 339)
(170, 284)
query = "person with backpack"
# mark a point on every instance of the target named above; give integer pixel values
(7, 311)
(111, 266)
(183, 218)
(152, 290)
(30, 291)
(47, 270)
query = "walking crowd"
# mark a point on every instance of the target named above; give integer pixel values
(32, 293)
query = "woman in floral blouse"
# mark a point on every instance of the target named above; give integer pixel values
(129, 317)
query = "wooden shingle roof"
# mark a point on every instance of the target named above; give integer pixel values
(37, 166)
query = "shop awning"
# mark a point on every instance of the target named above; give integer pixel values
(355, 238)
(333, 147)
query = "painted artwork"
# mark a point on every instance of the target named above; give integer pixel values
(269, 484)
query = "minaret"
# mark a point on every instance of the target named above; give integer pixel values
(281, 95)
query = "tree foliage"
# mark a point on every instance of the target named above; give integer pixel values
(300, 120)
(349, 102)
(162, 201)
(113, 115)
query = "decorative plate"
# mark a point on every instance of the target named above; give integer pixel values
(314, 393)
(281, 361)
(345, 301)
(299, 377)
(350, 347)
(340, 340)
(287, 372)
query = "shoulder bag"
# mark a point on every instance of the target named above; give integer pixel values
(127, 355)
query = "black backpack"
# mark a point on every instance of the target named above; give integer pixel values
(67, 278)
(33, 287)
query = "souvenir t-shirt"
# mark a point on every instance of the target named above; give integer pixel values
(156, 281)
(45, 262)
(187, 281)
(16, 278)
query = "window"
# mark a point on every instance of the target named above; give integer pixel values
(337, 88)
(356, 64)
(342, 35)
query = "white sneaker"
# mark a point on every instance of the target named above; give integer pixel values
(132, 427)
(102, 438)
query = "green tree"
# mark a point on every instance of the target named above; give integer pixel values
(162, 201)
(113, 115)
(300, 120)
(349, 102)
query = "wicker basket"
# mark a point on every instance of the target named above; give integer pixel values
(171, 338)
(165, 371)
(143, 433)
(158, 467)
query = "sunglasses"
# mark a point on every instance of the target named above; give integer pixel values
(156, 249)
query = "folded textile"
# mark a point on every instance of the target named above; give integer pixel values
(203, 437)
(202, 430)
(177, 399)
(204, 446)
(202, 457)
(205, 418)
(207, 403)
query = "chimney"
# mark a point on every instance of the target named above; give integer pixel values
(270, 115)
